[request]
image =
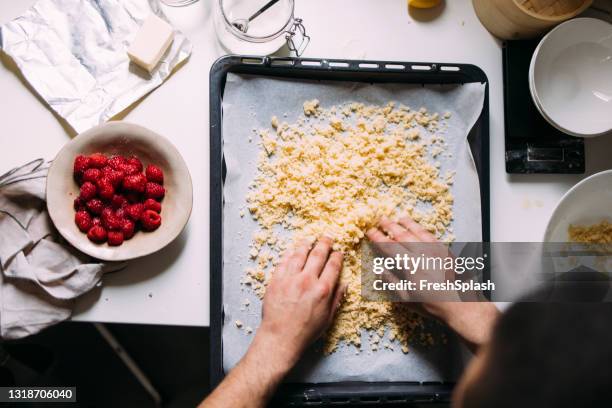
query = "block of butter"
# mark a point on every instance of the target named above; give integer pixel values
(151, 43)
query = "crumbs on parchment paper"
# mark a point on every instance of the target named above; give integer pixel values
(336, 171)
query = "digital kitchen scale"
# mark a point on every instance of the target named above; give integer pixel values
(532, 144)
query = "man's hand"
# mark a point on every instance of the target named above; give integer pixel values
(300, 302)
(473, 321)
(301, 299)
(408, 238)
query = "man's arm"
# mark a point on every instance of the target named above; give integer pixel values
(472, 321)
(253, 381)
(301, 300)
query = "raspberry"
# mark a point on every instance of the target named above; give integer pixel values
(151, 204)
(87, 191)
(96, 221)
(95, 206)
(121, 214)
(154, 190)
(134, 211)
(128, 227)
(135, 183)
(97, 234)
(115, 176)
(98, 160)
(79, 204)
(154, 174)
(129, 169)
(110, 220)
(118, 201)
(135, 161)
(112, 223)
(116, 162)
(150, 220)
(106, 212)
(83, 220)
(81, 163)
(115, 238)
(106, 191)
(91, 175)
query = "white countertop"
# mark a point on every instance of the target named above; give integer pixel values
(171, 287)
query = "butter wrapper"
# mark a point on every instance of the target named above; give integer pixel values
(74, 54)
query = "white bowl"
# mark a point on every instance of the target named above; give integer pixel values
(126, 139)
(588, 202)
(570, 77)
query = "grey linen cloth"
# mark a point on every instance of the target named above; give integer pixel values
(41, 274)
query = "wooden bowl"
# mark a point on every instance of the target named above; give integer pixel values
(126, 139)
(516, 19)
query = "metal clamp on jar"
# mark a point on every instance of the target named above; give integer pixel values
(257, 27)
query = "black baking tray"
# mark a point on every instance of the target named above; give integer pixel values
(354, 393)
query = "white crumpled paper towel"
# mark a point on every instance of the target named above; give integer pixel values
(74, 54)
(41, 274)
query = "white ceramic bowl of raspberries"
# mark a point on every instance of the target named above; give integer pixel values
(119, 191)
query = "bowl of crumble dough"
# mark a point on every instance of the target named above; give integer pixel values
(119, 191)
(584, 213)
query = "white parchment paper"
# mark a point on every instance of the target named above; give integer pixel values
(248, 104)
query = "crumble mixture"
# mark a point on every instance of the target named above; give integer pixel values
(600, 233)
(335, 172)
